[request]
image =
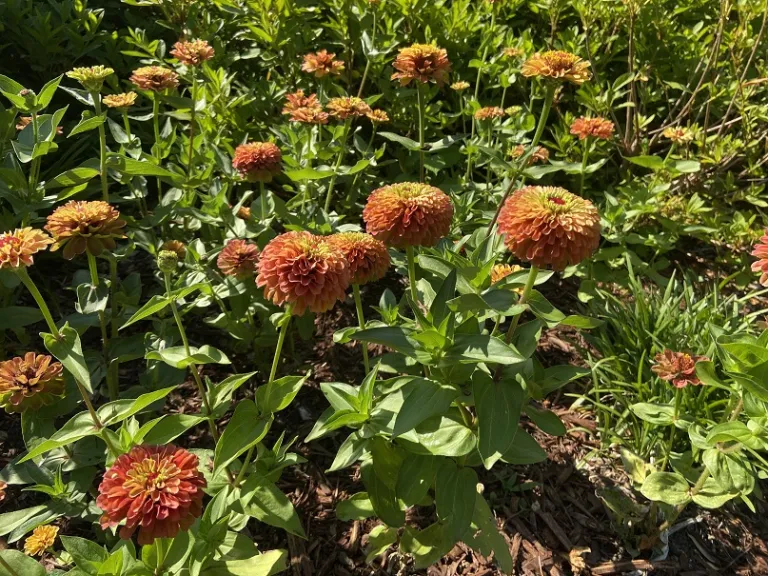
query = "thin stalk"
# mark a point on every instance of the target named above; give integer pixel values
(33, 169)
(420, 98)
(584, 161)
(102, 148)
(279, 349)
(126, 122)
(114, 365)
(671, 441)
(343, 143)
(532, 274)
(368, 58)
(46, 312)
(412, 273)
(161, 553)
(192, 122)
(156, 129)
(111, 387)
(352, 194)
(263, 202)
(361, 322)
(480, 69)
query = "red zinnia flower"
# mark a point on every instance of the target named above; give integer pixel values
(678, 368)
(238, 258)
(761, 252)
(408, 214)
(549, 226)
(367, 257)
(157, 489)
(303, 270)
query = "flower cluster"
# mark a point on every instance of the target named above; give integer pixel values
(678, 368)
(408, 214)
(348, 107)
(367, 258)
(192, 53)
(258, 161)
(322, 63)
(17, 248)
(592, 127)
(155, 78)
(557, 65)
(81, 226)
(155, 489)
(238, 258)
(549, 226)
(30, 382)
(423, 63)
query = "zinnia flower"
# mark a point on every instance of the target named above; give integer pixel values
(422, 62)
(244, 213)
(541, 154)
(176, 246)
(549, 226)
(368, 258)
(80, 226)
(501, 271)
(348, 107)
(304, 109)
(192, 53)
(760, 251)
(17, 248)
(155, 78)
(557, 65)
(489, 113)
(157, 489)
(678, 368)
(596, 127)
(30, 382)
(322, 64)
(91, 77)
(41, 539)
(238, 258)
(304, 271)
(408, 214)
(378, 116)
(124, 100)
(678, 135)
(3, 486)
(460, 86)
(258, 161)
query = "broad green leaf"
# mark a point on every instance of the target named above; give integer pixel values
(543, 309)
(72, 177)
(407, 142)
(78, 427)
(524, 450)
(132, 167)
(498, 406)
(687, 166)
(546, 420)
(485, 537)
(246, 428)
(19, 316)
(267, 503)
(357, 507)
(176, 356)
(712, 495)
(426, 398)
(426, 546)
(92, 299)
(659, 414)
(455, 494)
(654, 163)
(382, 497)
(155, 305)
(583, 322)
(469, 348)
(87, 555)
(87, 122)
(441, 436)
(69, 352)
(668, 487)
(415, 477)
(394, 337)
(264, 564)
(119, 410)
(20, 564)
(277, 395)
(308, 174)
(169, 427)
(732, 472)
(9, 521)
(46, 92)
(379, 539)
(349, 452)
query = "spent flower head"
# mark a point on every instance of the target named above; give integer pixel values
(30, 382)
(81, 226)
(192, 52)
(423, 63)
(120, 101)
(167, 261)
(18, 248)
(176, 246)
(91, 77)
(42, 538)
(557, 65)
(322, 63)
(677, 367)
(155, 78)
(368, 258)
(258, 161)
(540, 154)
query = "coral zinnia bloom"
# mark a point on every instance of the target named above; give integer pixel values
(596, 127)
(304, 271)
(459, 86)
(298, 100)
(557, 65)
(17, 248)
(192, 53)
(367, 257)
(124, 100)
(761, 252)
(309, 116)
(408, 214)
(155, 78)
(678, 368)
(422, 62)
(80, 226)
(549, 226)
(91, 77)
(678, 135)
(501, 271)
(378, 116)
(157, 489)
(41, 539)
(30, 382)
(322, 64)
(348, 107)
(238, 258)
(258, 161)
(541, 154)
(489, 113)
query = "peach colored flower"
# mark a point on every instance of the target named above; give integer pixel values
(549, 226)
(422, 62)
(3, 487)
(595, 127)
(378, 116)
(348, 107)
(367, 257)
(258, 161)
(304, 109)
(238, 258)
(489, 113)
(124, 100)
(155, 78)
(322, 63)
(539, 155)
(760, 251)
(81, 226)
(678, 368)
(557, 65)
(408, 214)
(679, 135)
(459, 86)
(501, 271)
(42, 538)
(157, 489)
(304, 271)
(192, 52)
(512, 52)
(17, 248)
(30, 382)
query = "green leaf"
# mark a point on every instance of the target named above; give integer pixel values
(19, 316)
(379, 539)
(415, 477)
(498, 407)
(92, 299)
(132, 167)
(668, 487)
(72, 177)
(308, 174)
(78, 427)
(426, 546)
(546, 420)
(442, 436)
(46, 92)
(581, 322)
(119, 410)
(407, 142)
(277, 395)
(687, 166)
(87, 555)
(397, 338)
(731, 471)
(382, 497)
(654, 163)
(176, 356)
(245, 429)
(455, 494)
(349, 452)
(266, 502)
(543, 309)
(469, 348)
(358, 507)
(486, 538)
(659, 414)
(264, 564)
(169, 427)
(735, 431)
(20, 564)
(87, 122)
(712, 495)
(155, 304)
(69, 352)
(426, 398)
(524, 450)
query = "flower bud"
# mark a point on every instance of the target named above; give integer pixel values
(167, 261)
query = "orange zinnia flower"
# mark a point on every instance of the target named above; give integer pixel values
(17, 248)
(303, 271)
(322, 63)
(42, 538)
(557, 65)
(678, 135)
(501, 271)
(157, 489)
(30, 382)
(80, 226)
(489, 113)
(678, 368)
(305, 109)
(408, 214)
(378, 116)
(258, 161)
(541, 154)
(422, 62)
(192, 53)
(367, 257)
(238, 258)
(124, 100)
(760, 251)
(596, 127)
(3, 486)
(348, 107)
(155, 78)
(549, 226)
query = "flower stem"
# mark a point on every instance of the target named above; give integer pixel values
(412, 273)
(668, 451)
(30, 285)
(532, 274)
(361, 322)
(114, 365)
(102, 148)
(343, 143)
(584, 161)
(126, 122)
(263, 200)
(35, 162)
(477, 86)
(156, 129)
(420, 98)
(368, 58)
(111, 386)
(279, 349)
(192, 122)
(161, 553)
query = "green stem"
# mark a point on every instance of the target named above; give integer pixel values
(102, 148)
(263, 201)
(126, 122)
(192, 122)
(361, 322)
(477, 86)
(532, 274)
(584, 161)
(420, 98)
(344, 136)
(114, 365)
(368, 58)
(36, 162)
(161, 553)
(30, 285)
(279, 349)
(156, 129)
(103, 325)
(412, 273)
(670, 442)
(244, 467)
(352, 194)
